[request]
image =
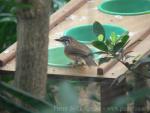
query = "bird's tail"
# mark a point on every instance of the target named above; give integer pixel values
(89, 61)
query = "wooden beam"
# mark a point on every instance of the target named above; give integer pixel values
(4, 73)
(8, 54)
(67, 10)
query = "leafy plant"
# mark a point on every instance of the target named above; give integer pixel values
(112, 46)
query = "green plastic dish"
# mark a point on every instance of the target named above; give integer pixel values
(85, 34)
(57, 58)
(125, 7)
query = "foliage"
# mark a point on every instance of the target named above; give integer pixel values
(115, 47)
(57, 4)
(9, 93)
(26, 98)
(8, 21)
(121, 102)
(98, 30)
(112, 46)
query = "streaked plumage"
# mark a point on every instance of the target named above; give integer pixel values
(77, 51)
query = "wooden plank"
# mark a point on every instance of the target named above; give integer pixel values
(6, 73)
(87, 14)
(67, 10)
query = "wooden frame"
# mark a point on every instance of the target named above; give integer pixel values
(139, 26)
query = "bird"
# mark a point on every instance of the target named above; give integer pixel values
(77, 51)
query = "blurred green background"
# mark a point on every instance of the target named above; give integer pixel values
(8, 20)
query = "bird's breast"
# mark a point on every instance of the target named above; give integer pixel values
(70, 55)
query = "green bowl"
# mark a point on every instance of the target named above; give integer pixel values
(125, 7)
(85, 34)
(57, 58)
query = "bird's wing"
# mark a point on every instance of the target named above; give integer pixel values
(77, 51)
(82, 47)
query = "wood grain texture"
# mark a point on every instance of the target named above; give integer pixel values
(68, 9)
(8, 55)
(138, 27)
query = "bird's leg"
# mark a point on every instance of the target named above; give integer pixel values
(74, 64)
(79, 63)
(71, 63)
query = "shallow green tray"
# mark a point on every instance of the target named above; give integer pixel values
(57, 58)
(125, 7)
(85, 34)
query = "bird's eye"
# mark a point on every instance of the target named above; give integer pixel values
(66, 40)
(69, 40)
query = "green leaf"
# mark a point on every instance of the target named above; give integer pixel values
(12, 107)
(6, 15)
(8, 19)
(100, 37)
(113, 37)
(125, 39)
(105, 59)
(118, 46)
(26, 97)
(109, 44)
(100, 45)
(98, 29)
(122, 36)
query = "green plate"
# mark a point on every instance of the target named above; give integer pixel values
(85, 34)
(125, 7)
(56, 57)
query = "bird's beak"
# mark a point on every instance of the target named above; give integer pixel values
(59, 40)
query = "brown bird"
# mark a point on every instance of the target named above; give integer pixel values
(76, 51)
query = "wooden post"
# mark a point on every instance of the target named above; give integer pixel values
(109, 94)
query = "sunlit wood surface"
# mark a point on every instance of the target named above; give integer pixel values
(138, 26)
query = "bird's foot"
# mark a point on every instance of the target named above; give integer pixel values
(80, 64)
(75, 64)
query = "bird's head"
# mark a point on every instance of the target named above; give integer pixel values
(65, 40)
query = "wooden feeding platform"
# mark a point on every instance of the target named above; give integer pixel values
(79, 12)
